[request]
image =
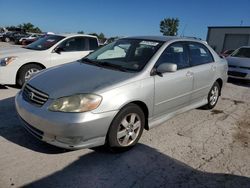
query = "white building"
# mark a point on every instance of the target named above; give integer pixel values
(226, 38)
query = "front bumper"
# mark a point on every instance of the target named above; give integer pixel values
(7, 75)
(239, 73)
(66, 130)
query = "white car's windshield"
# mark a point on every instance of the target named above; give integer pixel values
(45, 42)
(126, 54)
(241, 52)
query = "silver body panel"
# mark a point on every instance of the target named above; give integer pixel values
(165, 96)
(239, 67)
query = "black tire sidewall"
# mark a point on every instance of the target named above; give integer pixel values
(112, 133)
(22, 72)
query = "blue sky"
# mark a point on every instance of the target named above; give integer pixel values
(125, 17)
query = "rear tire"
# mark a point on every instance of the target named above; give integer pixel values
(126, 128)
(213, 96)
(25, 73)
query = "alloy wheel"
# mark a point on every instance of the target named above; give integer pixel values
(214, 95)
(29, 73)
(129, 129)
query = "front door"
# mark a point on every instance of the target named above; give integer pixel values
(70, 50)
(173, 89)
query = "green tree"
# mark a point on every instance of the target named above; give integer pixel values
(101, 36)
(80, 32)
(29, 27)
(11, 28)
(169, 26)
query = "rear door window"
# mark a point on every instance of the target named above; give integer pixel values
(199, 54)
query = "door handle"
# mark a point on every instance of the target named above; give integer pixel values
(189, 74)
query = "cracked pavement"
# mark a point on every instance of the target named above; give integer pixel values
(199, 148)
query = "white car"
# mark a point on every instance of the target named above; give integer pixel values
(17, 65)
(31, 36)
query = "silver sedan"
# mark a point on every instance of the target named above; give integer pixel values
(113, 94)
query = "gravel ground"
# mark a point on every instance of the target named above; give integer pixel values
(198, 148)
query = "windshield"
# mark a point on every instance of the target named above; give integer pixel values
(241, 52)
(128, 54)
(44, 42)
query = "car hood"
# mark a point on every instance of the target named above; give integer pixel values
(15, 51)
(238, 61)
(77, 77)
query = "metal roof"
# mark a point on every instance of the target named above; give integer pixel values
(226, 27)
(75, 35)
(164, 38)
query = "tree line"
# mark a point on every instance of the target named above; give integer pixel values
(26, 27)
(168, 26)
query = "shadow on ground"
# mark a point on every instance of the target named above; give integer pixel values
(6, 86)
(140, 167)
(244, 83)
(11, 129)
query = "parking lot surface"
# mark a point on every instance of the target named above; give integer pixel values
(198, 148)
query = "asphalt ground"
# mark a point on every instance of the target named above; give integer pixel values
(199, 148)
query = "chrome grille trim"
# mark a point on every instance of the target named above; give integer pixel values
(34, 96)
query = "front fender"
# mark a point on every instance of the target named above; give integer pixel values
(117, 98)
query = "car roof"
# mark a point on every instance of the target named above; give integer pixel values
(165, 38)
(75, 35)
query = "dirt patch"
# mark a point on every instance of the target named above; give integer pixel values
(214, 112)
(236, 102)
(242, 134)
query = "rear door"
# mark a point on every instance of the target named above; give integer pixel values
(203, 68)
(173, 89)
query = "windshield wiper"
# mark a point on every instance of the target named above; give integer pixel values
(104, 64)
(27, 47)
(87, 60)
(107, 64)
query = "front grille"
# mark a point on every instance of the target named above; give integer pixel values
(34, 96)
(238, 74)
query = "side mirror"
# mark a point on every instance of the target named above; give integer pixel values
(166, 67)
(58, 50)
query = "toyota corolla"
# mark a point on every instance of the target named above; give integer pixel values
(113, 94)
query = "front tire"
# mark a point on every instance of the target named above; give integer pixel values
(25, 73)
(213, 96)
(126, 128)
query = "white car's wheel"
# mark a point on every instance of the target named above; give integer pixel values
(26, 72)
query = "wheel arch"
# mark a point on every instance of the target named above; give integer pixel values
(220, 82)
(144, 108)
(30, 63)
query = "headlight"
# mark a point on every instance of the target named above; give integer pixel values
(7, 60)
(76, 103)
